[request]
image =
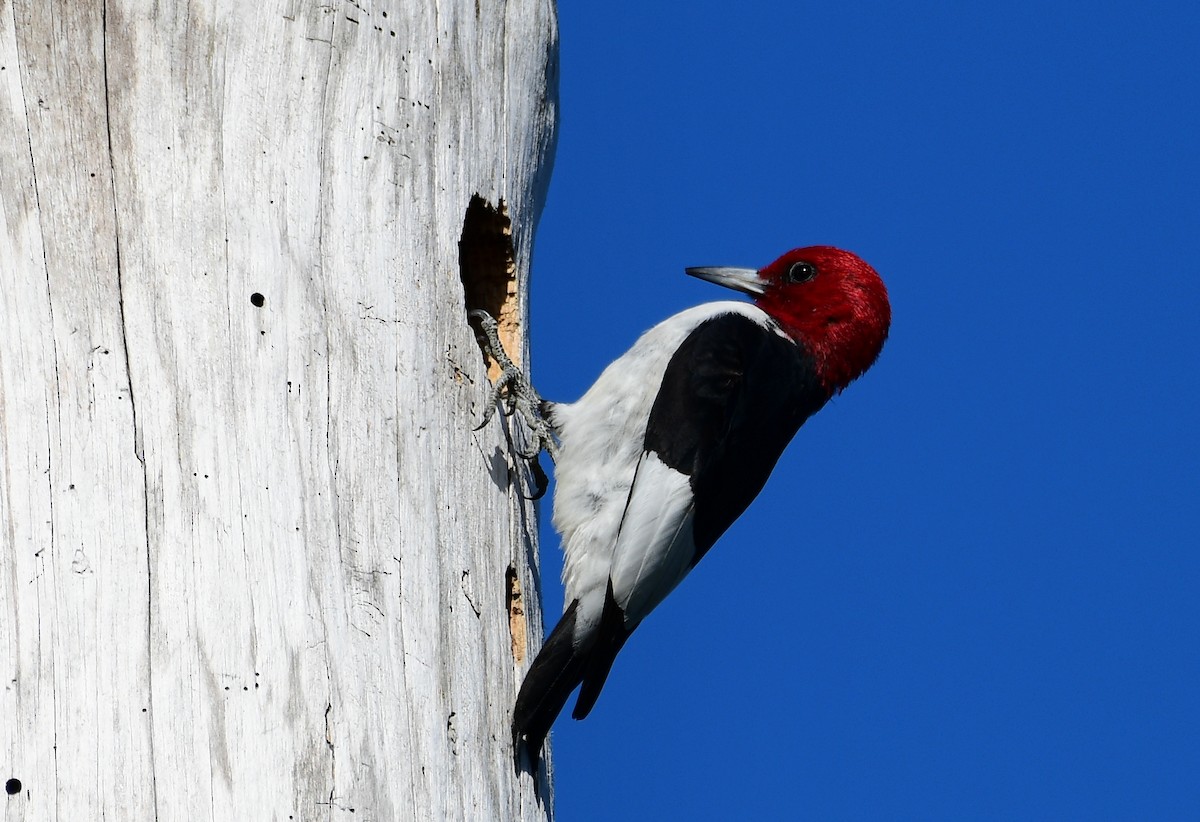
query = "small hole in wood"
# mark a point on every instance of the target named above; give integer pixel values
(516, 615)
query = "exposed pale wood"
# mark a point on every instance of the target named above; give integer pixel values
(255, 561)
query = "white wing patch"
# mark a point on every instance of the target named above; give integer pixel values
(654, 548)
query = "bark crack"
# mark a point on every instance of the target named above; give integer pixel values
(332, 752)
(330, 455)
(138, 450)
(321, 185)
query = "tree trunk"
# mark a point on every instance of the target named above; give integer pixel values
(255, 562)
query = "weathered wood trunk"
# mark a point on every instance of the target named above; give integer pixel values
(255, 563)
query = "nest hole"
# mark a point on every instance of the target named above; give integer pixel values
(488, 269)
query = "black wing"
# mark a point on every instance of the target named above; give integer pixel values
(732, 398)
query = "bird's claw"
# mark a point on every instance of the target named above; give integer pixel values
(513, 393)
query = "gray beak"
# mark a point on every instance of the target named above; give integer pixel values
(745, 280)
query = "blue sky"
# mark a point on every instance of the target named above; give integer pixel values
(971, 589)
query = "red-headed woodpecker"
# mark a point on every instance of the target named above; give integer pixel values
(672, 443)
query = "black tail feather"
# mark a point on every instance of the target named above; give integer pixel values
(555, 672)
(610, 639)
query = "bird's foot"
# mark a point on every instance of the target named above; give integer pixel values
(513, 392)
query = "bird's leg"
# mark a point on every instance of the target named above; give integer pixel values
(517, 393)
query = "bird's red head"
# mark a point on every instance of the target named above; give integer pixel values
(828, 299)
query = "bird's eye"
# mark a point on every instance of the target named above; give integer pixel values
(801, 272)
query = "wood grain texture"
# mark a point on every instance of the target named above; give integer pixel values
(255, 562)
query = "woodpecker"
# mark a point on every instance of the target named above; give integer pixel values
(674, 441)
